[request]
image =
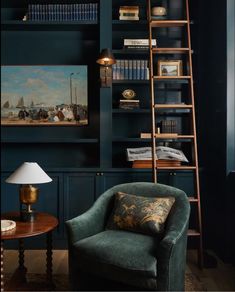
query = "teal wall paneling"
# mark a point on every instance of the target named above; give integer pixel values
(79, 193)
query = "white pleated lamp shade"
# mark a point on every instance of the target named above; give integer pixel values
(28, 173)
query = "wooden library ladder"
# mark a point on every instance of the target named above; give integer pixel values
(155, 52)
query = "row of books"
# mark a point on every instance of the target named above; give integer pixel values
(131, 70)
(62, 12)
(168, 126)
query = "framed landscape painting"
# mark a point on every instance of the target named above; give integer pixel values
(44, 95)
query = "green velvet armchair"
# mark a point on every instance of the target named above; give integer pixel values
(101, 259)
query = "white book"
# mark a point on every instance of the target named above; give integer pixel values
(139, 42)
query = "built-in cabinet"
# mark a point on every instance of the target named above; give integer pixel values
(85, 161)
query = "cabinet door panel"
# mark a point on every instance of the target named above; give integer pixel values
(79, 194)
(9, 195)
(185, 182)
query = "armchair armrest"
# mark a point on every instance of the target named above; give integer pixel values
(172, 248)
(89, 223)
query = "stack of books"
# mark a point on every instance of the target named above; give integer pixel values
(131, 70)
(159, 163)
(129, 103)
(129, 13)
(62, 12)
(141, 44)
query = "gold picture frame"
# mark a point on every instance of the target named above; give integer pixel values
(170, 68)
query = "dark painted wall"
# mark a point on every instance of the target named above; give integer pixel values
(215, 99)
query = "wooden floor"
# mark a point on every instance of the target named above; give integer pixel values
(221, 278)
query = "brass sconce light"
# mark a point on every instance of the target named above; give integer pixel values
(106, 60)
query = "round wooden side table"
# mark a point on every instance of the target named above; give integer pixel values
(44, 224)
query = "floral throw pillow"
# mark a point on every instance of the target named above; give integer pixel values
(140, 214)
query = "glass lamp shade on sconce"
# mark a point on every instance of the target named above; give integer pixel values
(106, 60)
(27, 174)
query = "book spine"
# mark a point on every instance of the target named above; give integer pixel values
(96, 11)
(145, 69)
(115, 72)
(138, 70)
(82, 11)
(134, 69)
(130, 65)
(122, 65)
(142, 69)
(30, 12)
(126, 70)
(118, 74)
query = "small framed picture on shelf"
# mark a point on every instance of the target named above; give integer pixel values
(170, 67)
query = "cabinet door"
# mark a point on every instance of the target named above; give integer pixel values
(9, 195)
(79, 193)
(183, 181)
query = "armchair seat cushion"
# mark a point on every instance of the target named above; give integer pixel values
(122, 256)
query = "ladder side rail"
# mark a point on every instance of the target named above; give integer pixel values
(194, 133)
(151, 79)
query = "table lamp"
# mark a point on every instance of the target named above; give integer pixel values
(27, 174)
(106, 60)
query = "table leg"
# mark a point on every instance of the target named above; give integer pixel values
(22, 269)
(2, 275)
(49, 259)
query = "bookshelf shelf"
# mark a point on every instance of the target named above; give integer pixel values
(129, 25)
(48, 25)
(182, 138)
(136, 82)
(40, 141)
(130, 52)
(131, 111)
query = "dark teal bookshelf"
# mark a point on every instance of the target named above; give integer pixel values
(85, 161)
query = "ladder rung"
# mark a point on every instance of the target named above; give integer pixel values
(192, 199)
(173, 136)
(193, 232)
(169, 106)
(177, 167)
(170, 50)
(168, 23)
(171, 77)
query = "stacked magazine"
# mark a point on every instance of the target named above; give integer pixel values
(165, 156)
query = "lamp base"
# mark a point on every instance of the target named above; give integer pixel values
(26, 216)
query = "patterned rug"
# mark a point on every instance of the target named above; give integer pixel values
(37, 282)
